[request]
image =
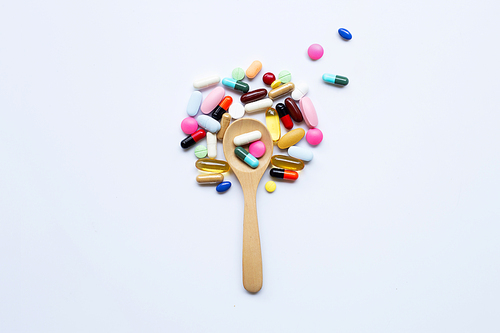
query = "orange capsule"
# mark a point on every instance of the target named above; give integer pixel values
(222, 108)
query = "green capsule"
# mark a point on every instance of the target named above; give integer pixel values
(335, 79)
(237, 85)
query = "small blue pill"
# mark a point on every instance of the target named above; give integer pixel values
(344, 33)
(223, 187)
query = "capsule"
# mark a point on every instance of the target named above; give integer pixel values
(210, 178)
(281, 90)
(236, 85)
(284, 115)
(253, 96)
(206, 82)
(287, 162)
(273, 124)
(335, 79)
(283, 174)
(294, 110)
(259, 105)
(193, 138)
(212, 145)
(222, 108)
(246, 157)
(246, 138)
(209, 165)
(224, 124)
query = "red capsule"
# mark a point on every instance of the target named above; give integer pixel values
(284, 115)
(283, 174)
(253, 96)
(268, 78)
(293, 109)
(193, 138)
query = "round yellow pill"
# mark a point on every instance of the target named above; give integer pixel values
(270, 186)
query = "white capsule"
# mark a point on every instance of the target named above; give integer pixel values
(303, 154)
(236, 110)
(300, 91)
(194, 103)
(206, 82)
(260, 105)
(208, 123)
(212, 145)
(246, 138)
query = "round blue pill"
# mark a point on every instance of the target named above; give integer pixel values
(344, 33)
(223, 187)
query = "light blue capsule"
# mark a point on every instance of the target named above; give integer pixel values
(194, 103)
(223, 187)
(231, 83)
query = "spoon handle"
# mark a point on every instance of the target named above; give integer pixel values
(252, 258)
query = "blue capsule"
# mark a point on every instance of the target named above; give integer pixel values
(344, 33)
(236, 85)
(223, 187)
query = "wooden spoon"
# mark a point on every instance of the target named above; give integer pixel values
(249, 179)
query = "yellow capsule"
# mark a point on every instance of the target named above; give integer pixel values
(273, 124)
(224, 124)
(287, 162)
(275, 84)
(281, 90)
(210, 165)
(291, 138)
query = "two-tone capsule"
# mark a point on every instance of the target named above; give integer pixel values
(246, 157)
(222, 108)
(284, 115)
(335, 79)
(236, 85)
(283, 174)
(193, 138)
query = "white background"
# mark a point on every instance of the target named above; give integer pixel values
(393, 227)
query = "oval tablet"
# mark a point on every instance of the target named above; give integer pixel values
(303, 154)
(291, 138)
(344, 33)
(206, 82)
(300, 90)
(246, 138)
(259, 105)
(308, 112)
(194, 103)
(236, 110)
(281, 90)
(208, 123)
(212, 100)
(223, 187)
(254, 69)
(294, 110)
(211, 178)
(253, 96)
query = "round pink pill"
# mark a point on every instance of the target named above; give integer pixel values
(315, 51)
(314, 136)
(257, 149)
(189, 125)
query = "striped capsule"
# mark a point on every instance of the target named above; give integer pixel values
(283, 174)
(193, 138)
(335, 79)
(236, 85)
(222, 108)
(246, 157)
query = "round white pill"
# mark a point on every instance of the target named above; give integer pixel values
(236, 110)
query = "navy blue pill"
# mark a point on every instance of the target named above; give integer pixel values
(223, 187)
(344, 33)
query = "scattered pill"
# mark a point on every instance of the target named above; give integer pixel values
(236, 85)
(212, 145)
(253, 96)
(300, 90)
(208, 123)
(303, 154)
(275, 84)
(246, 138)
(246, 157)
(206, 82)
(223, 187)
(285, 77)
(222, 108)
(193, 138)
(291, 138)
(210, 178)
(224, 124)
(283, 174)
(236, 110)
(212, 100)
(287, 162)
(314, 136)
(268, 78)
(257, 149)
(294, 110)
(284, 115)
(281, 90)
(335, 79)
(344, 33)
(200, 151)
(315, 51)
(308, 112)
(259, 105)
(194, 103)
(254, 69)
(209, 165)
(238, 74)
(273, 124)
(189, 125)
(270, 186)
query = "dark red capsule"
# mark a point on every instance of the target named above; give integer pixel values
(293, 109)
(253, 96)
(268, 78)
(193, 138)
(283, 174)
(284, 115)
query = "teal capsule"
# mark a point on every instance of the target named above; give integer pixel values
(335, 79)
(237, 85)
(246, 157)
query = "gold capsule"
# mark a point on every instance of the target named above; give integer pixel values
(210, 165)
(273, 124)
(287, 162)
(281, 90)
(210, 178)
(224, 124)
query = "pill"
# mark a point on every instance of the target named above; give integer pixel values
(212, 100)
(238, 74)
(268, 78)
(285, 76)
(200, 151)
(194, 103)
(206, 82)
(224, 124)
(236, 85)
(253, 96)
(193, 138)
(259, 105)
(335, 79)
(300, 90)
(315, 51)
(294, 110)
(208, 123)
(236, 110)
(291, 138)
(211, 145)
(210, 178)
(189, 125)
(257, 149)
(284, 115)
(303, 154)
(281, 90)
(209, 165)
(223, 187)
(275, 84)
(254, 69)
(270, 186)
(246, 138)
(283, 174)
(222, 108)
(287, 162)
(344, 33)
(308, 112)
(246, 157)
(273, 124)
(314, 136)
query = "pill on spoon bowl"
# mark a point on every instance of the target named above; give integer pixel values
(257, 149)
